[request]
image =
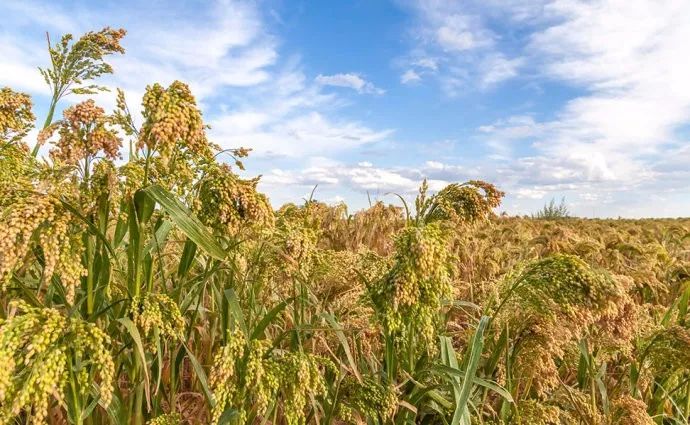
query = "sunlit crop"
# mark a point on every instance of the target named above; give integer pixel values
(144, 281)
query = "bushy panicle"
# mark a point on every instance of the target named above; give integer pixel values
(467, 202)
(41, 215)
(533, 412)
(16, 229)
(231, 203)
(629, 411)
(132, 176)
(550, 305)
(410, 296)
(75, 63)
(105, 185)
(295, 237)
(669, 350)
(157, 311)
(172, 121)
(83, 133)
(37, 348)
(246, 376)
(17, 172)
(16, 117)
(166, 419)
(366, 399)
(300, 377)
(561, 283)
(229, 386)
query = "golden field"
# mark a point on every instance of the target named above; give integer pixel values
(144, 281)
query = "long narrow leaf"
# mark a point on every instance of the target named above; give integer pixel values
(136, 337)
(475, 352)
(267, 319)
(186, 221)
(343, 341)
(236, 310)
(201, 375)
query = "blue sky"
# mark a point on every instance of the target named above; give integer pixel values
(587, 100)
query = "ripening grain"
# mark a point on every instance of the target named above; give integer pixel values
(152, 284)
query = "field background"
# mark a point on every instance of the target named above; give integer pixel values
(144, 281)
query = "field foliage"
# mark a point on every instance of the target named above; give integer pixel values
(144, 281)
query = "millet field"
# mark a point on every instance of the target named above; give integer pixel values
(143, 281)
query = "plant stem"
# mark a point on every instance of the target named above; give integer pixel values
(48, 121)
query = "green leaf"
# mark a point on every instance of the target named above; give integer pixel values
(343, 341)
(114, 409)
(186, 221)
(144, 206)
(188, 253)
(159, 237)
(684, 302)
(267, 319)
(476, 380)
(92, 228)
(201, 375)
(228, 416)
(236, 310)
(475, 353)
(134, 333)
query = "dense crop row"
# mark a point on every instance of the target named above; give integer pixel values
(154, 285)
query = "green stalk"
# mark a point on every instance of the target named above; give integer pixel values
(47, 122)
(51, 112)
(687, 400)
(136, 410)
(76, 405)
(89, 250)
(89, 276)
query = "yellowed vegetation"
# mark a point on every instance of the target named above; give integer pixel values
(154, 285)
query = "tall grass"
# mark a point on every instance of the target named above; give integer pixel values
(154, 285)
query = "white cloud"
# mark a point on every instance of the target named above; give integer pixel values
(628, 56)
(457, 36)
(298, 136)
(230, 49)
(629, 61)
(225, 52)
(366, 177)
(410, 76)
(352, 81)
(435, 165)
(453, 28)
(453, 41)
(426, 62)
(513, 127)
(497, 68)
(19, 68)
(530, 193)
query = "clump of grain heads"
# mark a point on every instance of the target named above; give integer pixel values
(39, 348)
(16, 117)
(231, 202)
(221, 309)
(408, 298)
(549, 306)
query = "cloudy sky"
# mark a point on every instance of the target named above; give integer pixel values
(587, 100)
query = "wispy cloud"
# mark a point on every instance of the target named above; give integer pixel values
(296, 137)
(350, 80)
(607, 127)
(453, 43)
(627, 61)
(410, 76)
(251, 95)
(637, 92)
(366, 177)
